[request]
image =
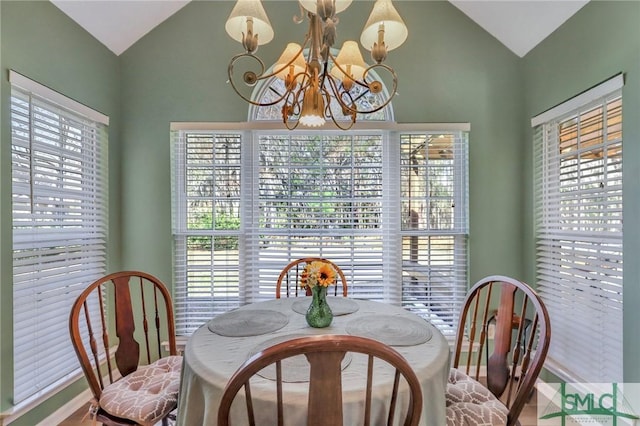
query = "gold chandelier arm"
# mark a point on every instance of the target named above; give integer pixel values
(379, 86)
(349, 125)
(370, 87)
(316, 83)
(338, 94)
(288, 124)
(300, 19)
(293, 57)
(292, 105)
(344, 72)
(251, 78)
(329, 112)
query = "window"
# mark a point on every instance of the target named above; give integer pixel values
(433, 205)
(59, 185)
(322, 195)
(390, 208)
(578, 152)
(206, 225)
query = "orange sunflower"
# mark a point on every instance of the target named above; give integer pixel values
(326, 275)
(318, 273)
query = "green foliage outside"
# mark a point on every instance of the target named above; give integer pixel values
(223, 223)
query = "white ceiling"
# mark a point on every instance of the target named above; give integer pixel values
(118, 24)
(518, 24)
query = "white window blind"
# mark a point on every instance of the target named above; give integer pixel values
(247, 203)
(321, 194)
(59, 186)
(578, 188)
(434, 209)
(206, 225)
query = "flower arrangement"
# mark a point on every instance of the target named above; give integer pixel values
(318, 273)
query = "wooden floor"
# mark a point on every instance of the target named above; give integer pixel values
(528, 417)
(529, 414)
(79, 418)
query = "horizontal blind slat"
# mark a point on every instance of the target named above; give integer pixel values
(59, 231)
(578, 218)
(304, 195)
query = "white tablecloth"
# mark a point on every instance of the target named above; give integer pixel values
(210, 359)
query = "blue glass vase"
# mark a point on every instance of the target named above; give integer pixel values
(319, 314)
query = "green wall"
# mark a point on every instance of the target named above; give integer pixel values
(450, 70)
(42, 43)
(600, 41)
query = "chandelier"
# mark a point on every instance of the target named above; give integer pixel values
(318, 85)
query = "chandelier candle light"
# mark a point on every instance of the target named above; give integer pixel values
(317, 84)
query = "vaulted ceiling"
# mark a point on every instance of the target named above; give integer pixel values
(518, 24)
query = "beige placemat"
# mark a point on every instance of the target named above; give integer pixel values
(390, 329)
(294, 369)
(248, 322)
(339, 305)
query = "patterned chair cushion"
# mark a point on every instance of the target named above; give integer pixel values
(469, 403)
(146, 395)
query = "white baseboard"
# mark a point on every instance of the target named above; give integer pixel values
(545, 389)
(6, 418)
(9, 416)
(74, 405)
(54, 418)
(67, 409)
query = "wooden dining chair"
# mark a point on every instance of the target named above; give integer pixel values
(504, 328)
(290, 278)
(325, 354)
(118, 326)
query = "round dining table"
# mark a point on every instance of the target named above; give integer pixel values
(219, 347)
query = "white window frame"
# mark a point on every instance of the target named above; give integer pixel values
(60, 229)
(189, 317)
(579, 261)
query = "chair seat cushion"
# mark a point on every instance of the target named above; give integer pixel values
(469, 403)
(146, 395)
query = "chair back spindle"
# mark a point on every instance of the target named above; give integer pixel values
(497, 362)
(324, 354)
(136, 308)
(513, 354)
(128, 351)
(290, 278)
